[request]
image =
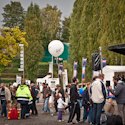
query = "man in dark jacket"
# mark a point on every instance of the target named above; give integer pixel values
(87, 103)
(75, 108)
(46, 94)
(34, 93)
(119, 93)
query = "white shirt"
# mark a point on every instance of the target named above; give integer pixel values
(61, 103)
(97, 95)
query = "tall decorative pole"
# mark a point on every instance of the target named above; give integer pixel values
(100, 50)
(22, 60)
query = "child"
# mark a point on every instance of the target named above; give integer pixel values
(61, 104)
(111, 108)
(110, 112)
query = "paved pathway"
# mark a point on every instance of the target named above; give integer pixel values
(43, 119)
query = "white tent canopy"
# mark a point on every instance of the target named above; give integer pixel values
(109, 72)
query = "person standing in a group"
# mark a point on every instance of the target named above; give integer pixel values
(67, 97)
(61, 104)
(34, 93)
(60, 90)
(119, 93)
(99, 93)
(75, 108)
(23, 95)
(38, 87)
(87, 103)
(5, 98)
(55, 100)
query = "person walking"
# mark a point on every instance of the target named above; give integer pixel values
(23, 95)
(119, 93)
(98, 94)
(46, 94)
(5, 98)
(75, 108)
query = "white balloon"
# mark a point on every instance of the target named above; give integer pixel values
(55, 48)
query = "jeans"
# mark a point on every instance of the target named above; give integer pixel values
(46, 105)
(96, 112)
(85, 114)
(3, 111)
(37, 100)
(80, 102)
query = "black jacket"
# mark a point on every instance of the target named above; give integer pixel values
(34, 92)
(73, 93)
(62, 92)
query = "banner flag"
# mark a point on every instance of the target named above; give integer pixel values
(75, 74)
(104, 62)
(60, 70)
(84, 61)
(50, 67)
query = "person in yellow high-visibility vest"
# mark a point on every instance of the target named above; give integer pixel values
(23, 95)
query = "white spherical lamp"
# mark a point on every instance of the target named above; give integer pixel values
(55, 48)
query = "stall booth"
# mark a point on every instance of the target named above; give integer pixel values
(119, 48)
(109, 71)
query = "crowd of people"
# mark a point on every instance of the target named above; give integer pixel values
(90, 97)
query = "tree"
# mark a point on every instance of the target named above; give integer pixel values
(51, 17)
(75, 34)
(9, 44)
(35, 51)
(66, 29)
(112, 25)
(100, 24)
(13, 15)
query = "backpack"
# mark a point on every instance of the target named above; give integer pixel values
(38, 94)
(114, 120)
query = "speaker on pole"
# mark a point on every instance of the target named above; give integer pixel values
(96, 62)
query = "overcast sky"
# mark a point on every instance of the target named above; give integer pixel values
(65, 6)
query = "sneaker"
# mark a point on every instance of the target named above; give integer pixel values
(90, 123)
(77, 122)
(62, 120)
(59, 120)
(43, 112)
(71, 123)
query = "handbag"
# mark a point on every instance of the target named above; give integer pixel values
(86, 105)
